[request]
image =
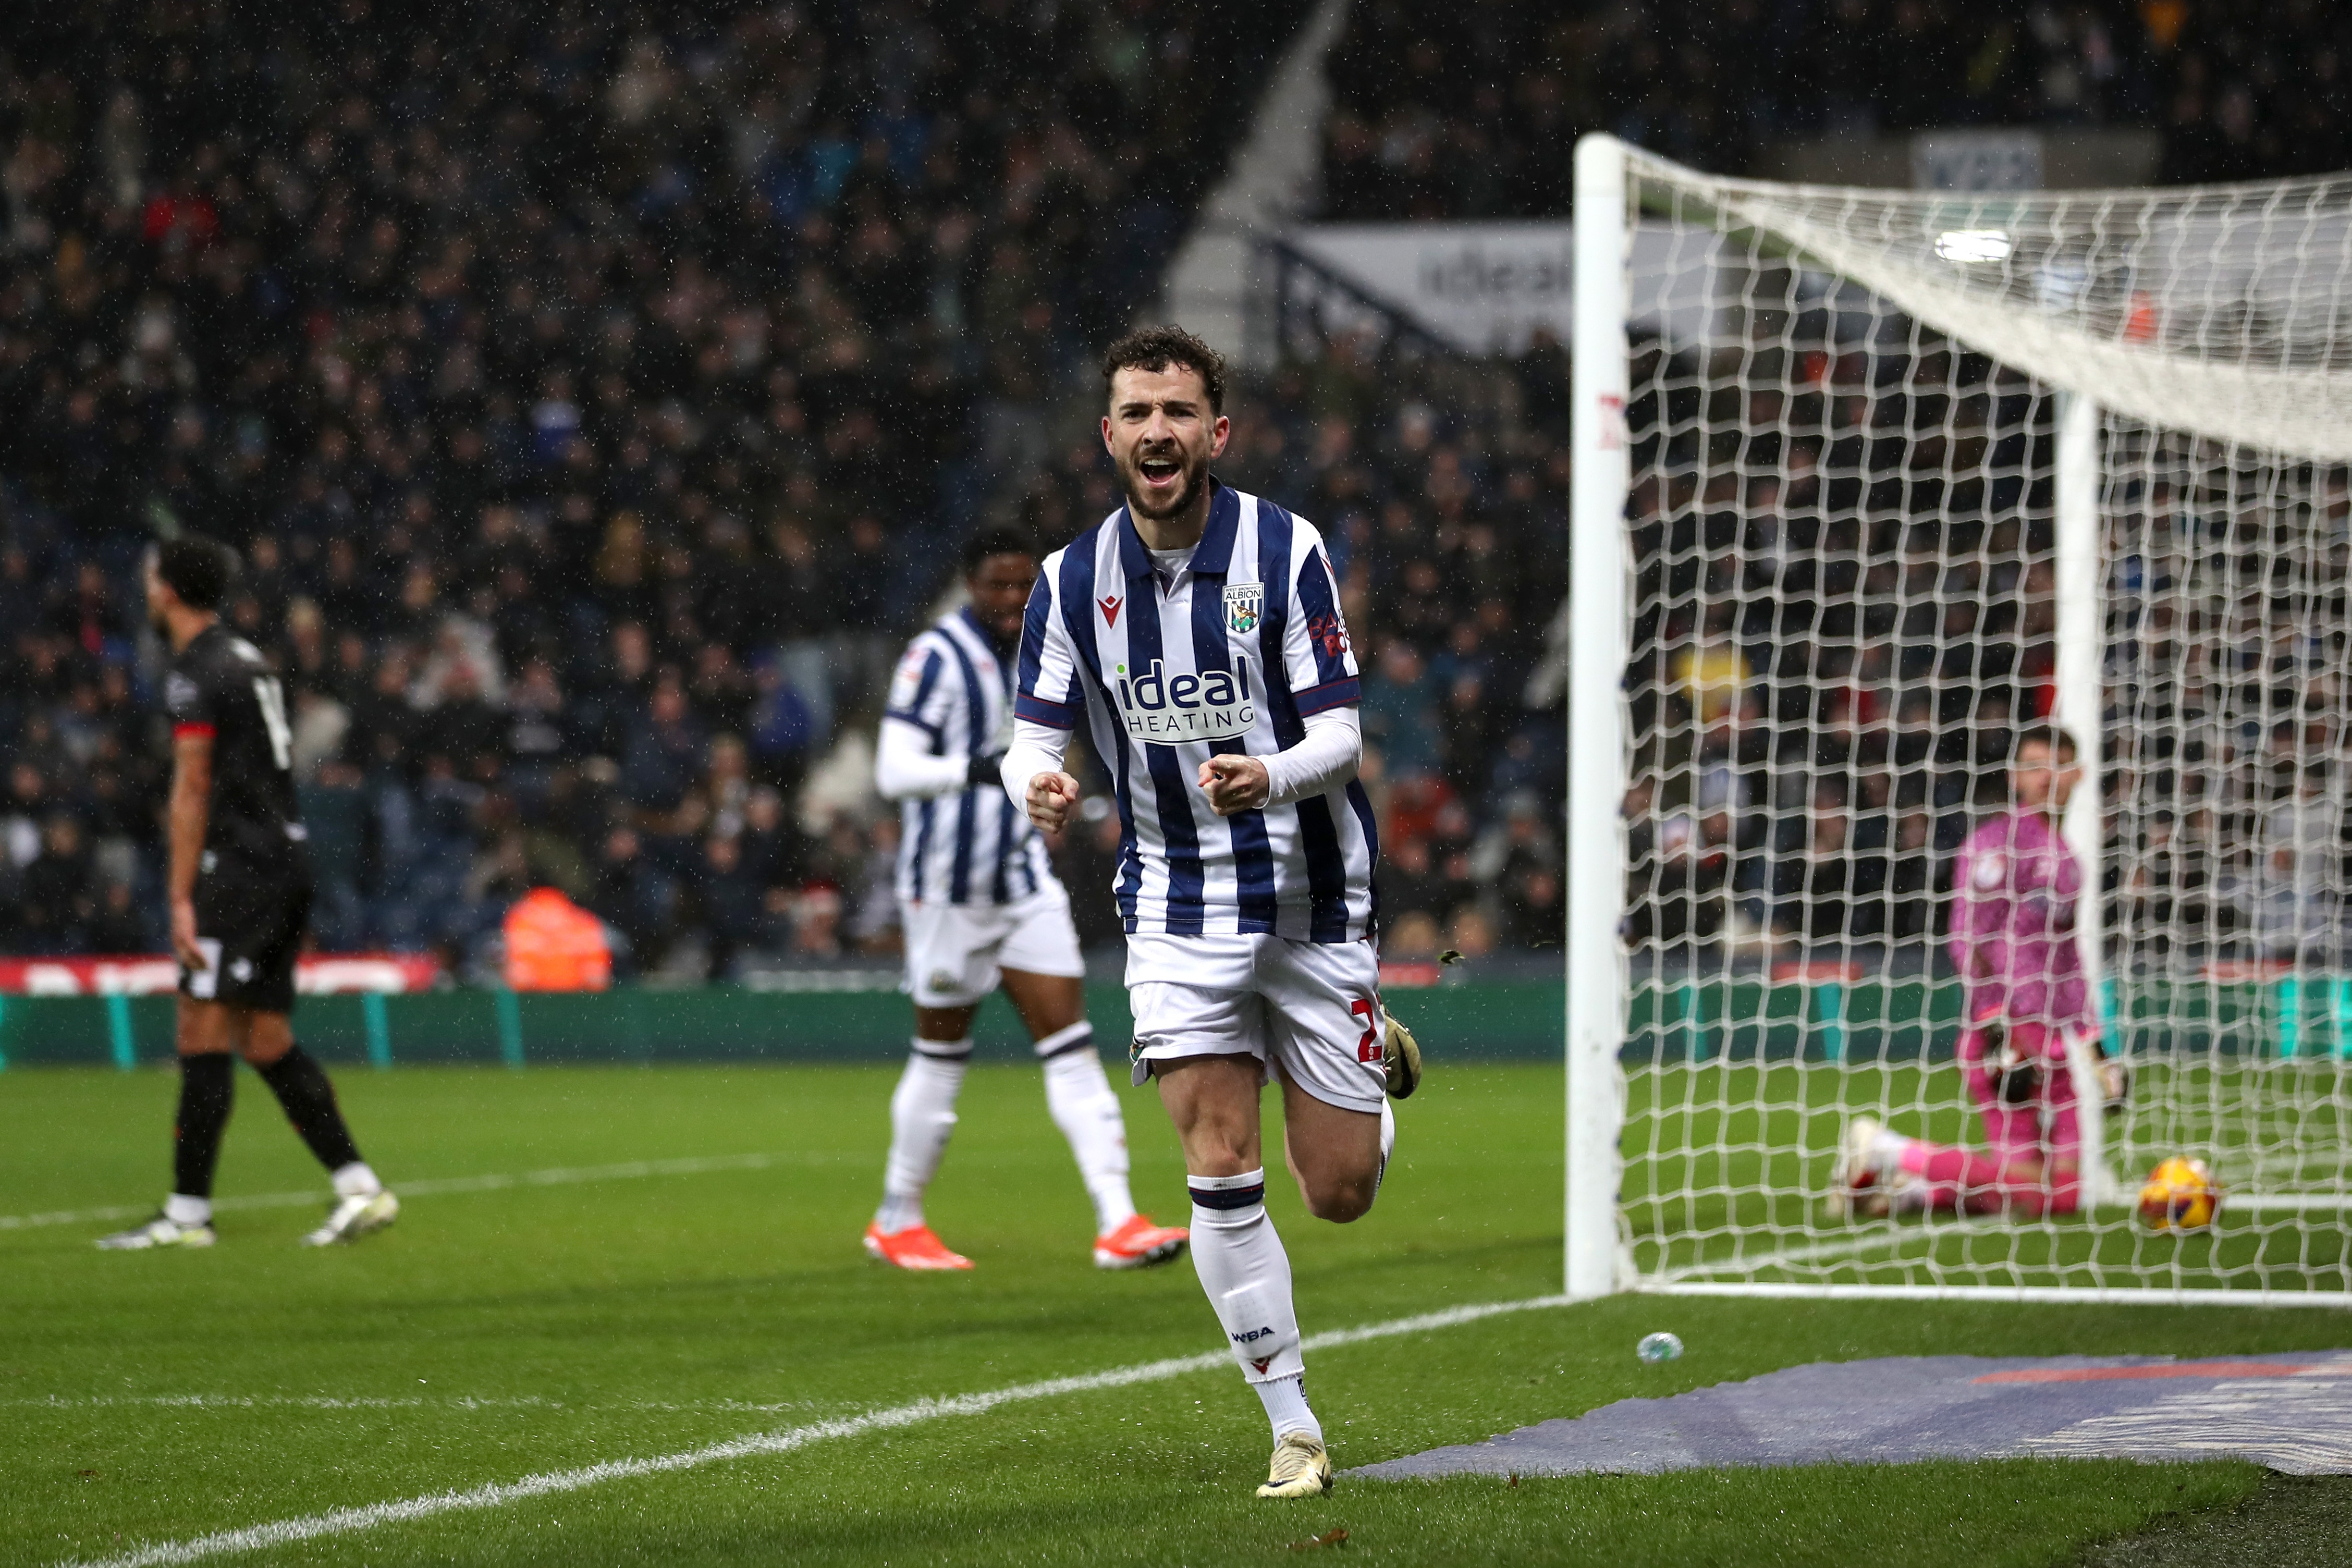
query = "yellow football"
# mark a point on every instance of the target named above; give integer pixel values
(2180, 1194)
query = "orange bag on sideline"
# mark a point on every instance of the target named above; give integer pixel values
(554, 944)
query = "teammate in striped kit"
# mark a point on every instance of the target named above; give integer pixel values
(1198, 631)
(982, 907)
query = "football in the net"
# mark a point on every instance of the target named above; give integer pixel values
(2179, 1195)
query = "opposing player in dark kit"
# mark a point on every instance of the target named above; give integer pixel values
(240, 897)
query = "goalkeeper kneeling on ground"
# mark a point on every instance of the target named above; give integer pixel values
(2012, 936)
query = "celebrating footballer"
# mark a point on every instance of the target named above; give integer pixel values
(1197, 631)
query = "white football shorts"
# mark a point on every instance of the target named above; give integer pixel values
(957, 953)
(1310, 1009)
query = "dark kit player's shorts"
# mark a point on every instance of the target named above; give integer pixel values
(250, 920)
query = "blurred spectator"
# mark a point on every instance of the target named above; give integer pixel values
(2297, 886)
(730, 908)
(1413, 937)
(55, 895)
(1400, 713)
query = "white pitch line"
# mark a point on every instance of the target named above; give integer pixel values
(1821, 1251)
(560, 1175)
(499, 1494)
(401, 1402)
(1815, 1252)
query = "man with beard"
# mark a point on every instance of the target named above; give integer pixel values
(982, 907)
(239, 882)
(1197, 630)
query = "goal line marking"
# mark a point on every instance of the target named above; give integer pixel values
(557, 1176)
(500, 1494)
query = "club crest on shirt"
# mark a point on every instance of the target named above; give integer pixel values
(1245, 604)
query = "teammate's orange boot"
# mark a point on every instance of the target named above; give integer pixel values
(913, 1247)
(1140, 1244)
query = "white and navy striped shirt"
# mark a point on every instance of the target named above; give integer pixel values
(1230, 658)
(970, 846)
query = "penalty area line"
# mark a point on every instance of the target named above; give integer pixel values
(433, 1186)
(501, 1494)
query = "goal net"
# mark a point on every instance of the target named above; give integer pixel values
(1867, 482)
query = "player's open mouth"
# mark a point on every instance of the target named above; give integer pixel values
(1160, 472)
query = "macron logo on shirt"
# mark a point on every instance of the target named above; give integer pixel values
(1174, 709)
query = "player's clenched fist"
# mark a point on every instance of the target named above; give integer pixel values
(1234, 783)
(1051, 797)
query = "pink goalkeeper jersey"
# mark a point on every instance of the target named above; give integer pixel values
(2012, 932)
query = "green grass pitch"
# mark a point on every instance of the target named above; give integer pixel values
(1725, 1162)
(511, 1331)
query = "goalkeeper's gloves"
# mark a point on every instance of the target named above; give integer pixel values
(985, 771)
(2114, 1083)
(2016, 1075)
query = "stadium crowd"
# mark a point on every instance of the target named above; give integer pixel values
(593, 393)
(597, 397)
(1844, 619)
(1448, 110)
(594, 398)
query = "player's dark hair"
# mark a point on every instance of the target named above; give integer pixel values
(196, 568)
(1156, 348)
(2060, 744)
(996, 540)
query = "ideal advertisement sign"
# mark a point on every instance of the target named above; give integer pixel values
(1484, 288)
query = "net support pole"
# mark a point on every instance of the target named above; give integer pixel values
(1596, 768)
(2081, 707)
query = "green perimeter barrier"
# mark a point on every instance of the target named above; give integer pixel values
(716, 1023)
(1669, 1020)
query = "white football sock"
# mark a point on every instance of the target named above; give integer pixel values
(1388, 1146)
(1079, 1095)
(922, 1114)
(356, 1181)
(1887, 1148)
(182, 1209)
(1246, 1274)
(1284, 1399)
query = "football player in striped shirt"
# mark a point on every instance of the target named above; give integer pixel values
(982, 907)
(1197, 631)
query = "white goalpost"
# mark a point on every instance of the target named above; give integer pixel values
(1865, 481)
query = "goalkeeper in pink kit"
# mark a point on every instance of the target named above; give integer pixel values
(2015, 884)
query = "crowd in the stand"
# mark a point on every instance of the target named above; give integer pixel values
(595, 398)
(1445, 111)
(593, 393)
(1841, 627)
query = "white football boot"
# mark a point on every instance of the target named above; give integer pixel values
(1300, 1469)
(353, 1217)
(161, 1231)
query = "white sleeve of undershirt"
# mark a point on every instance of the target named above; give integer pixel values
(904, 768)
(1035, 749)
(1327, 757)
